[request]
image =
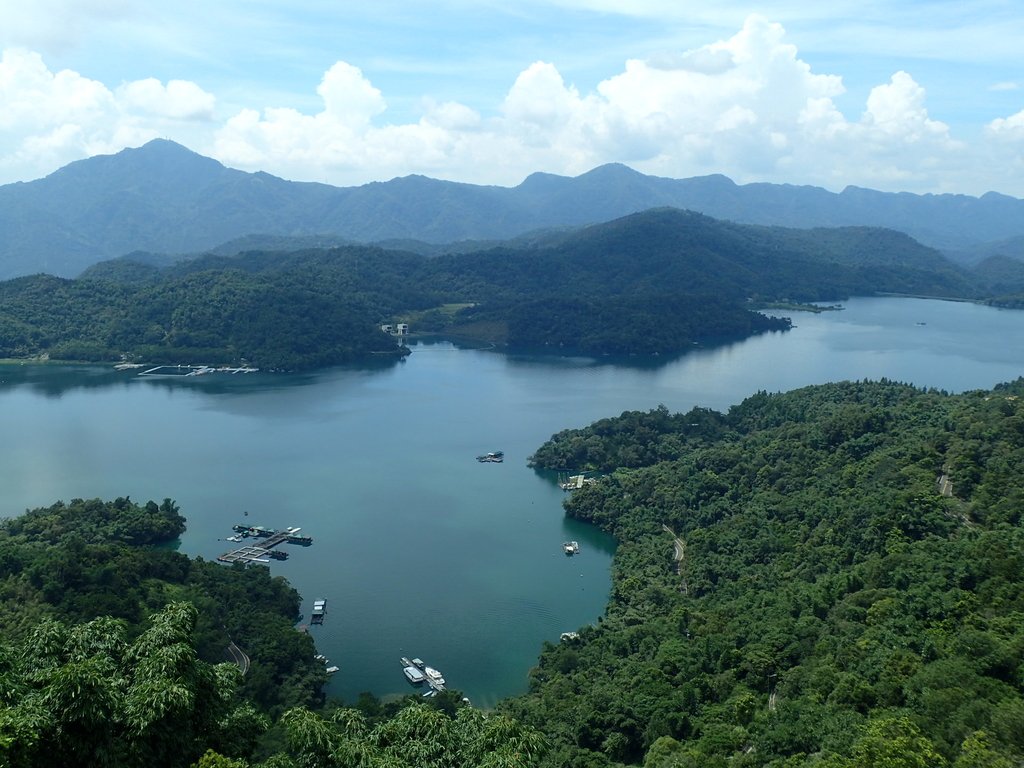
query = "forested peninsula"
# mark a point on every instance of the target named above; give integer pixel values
(827, 577)
(652, 283)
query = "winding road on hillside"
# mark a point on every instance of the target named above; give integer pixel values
(239, 657)
(680, 558)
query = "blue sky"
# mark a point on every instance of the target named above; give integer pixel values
(917, 96)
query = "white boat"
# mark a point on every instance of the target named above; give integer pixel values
(319, 612)
(413, 674)
(433, 675)
(331, 670)
(571, 547)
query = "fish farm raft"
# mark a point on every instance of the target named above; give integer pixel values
(263, 550)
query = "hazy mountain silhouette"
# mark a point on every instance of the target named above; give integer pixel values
(164, 198)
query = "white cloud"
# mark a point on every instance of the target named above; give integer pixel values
(1011, 127)
(1006, 85)
(305, 146)
(349, 97)
(48, 119)
(897, 109)
(747, 106)
(34, 97)
(178, 100)
(705, 60)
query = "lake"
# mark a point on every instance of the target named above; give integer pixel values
(419, 549)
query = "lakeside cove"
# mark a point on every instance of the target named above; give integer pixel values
(437, 556)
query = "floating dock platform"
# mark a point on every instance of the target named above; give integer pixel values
(167, 371)
(263, 551)
(416, 672)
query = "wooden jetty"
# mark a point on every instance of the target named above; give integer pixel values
(263, 551)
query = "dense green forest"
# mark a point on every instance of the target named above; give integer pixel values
(287, 320)
(78, 560)
(828, 577)
(655, 282)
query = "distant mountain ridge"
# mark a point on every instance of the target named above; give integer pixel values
(164, 198)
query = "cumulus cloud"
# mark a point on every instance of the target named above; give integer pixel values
(747, 106)
(1008, 127)
(48, 119)
(707, 60)
(34, 97)
(897, 109)
(178, 100)
(337, 137)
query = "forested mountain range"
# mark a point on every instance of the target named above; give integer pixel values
(163, 198)
(652, 282)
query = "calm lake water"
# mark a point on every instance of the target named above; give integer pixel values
(420, 550)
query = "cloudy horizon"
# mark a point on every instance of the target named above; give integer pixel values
(868, 95)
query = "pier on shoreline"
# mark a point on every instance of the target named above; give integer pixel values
(263, 552)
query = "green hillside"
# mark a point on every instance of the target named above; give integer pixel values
(828, 577)
(652, 283)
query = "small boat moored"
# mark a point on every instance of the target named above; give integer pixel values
(414, 675)
(571, 547)
(416, 672)
(433, 675)
(494, 457)
(319, 612)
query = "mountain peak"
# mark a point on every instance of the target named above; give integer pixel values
(162, 146)
(156, 158)
(611, 172)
